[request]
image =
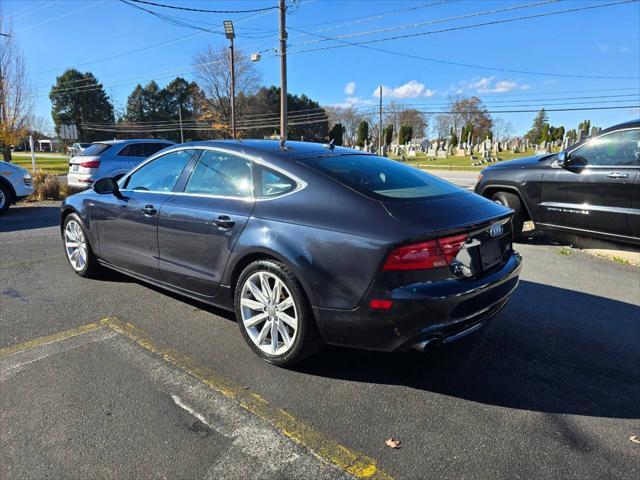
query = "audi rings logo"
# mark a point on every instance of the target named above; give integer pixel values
(496, 230)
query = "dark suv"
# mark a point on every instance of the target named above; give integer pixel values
(592, 188)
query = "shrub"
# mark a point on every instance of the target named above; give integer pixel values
(47, 187)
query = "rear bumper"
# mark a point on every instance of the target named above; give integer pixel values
(79, 181)
(445, 310)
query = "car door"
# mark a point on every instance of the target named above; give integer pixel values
(199, 227)
(128, 223)
(593, 193)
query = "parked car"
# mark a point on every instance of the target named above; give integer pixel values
(110, 159)
(78, 148)
(15, 184)
(307, 244)
(591, 189)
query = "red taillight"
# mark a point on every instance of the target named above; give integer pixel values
(90, 164)
(425, 255)
(381, 304)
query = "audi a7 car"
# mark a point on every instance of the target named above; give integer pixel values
(308, 244)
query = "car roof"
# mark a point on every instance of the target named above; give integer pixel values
(628, 124)
(135, 140)
(272, 148)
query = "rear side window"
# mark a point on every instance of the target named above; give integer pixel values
(95, 149)
(271, 184)
(380, 177)
(149, 149)
(132, 150)
(223, 174)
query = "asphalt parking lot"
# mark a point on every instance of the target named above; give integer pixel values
(111, 378)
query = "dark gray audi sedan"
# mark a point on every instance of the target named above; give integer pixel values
(307, 243)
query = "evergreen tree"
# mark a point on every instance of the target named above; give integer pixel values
(336, 134)
(405, 134)
(535, 134)
(79, 99)
(362, 134)
(388, 135)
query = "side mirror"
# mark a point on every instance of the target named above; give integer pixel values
(562, 158)
(107, 185)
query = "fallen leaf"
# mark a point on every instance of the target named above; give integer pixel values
(393, 443)
(633, 438)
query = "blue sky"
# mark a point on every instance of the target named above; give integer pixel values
(600, 42)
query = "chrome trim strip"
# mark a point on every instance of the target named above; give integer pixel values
(562, 227)
(300, 184)
(597, 208)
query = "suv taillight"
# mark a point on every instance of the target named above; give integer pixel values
(425, 255)
(90, 164)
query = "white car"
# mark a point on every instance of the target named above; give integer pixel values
(15, 184)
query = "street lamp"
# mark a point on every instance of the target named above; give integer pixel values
(230, 34)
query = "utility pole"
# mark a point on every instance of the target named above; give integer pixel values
(380, 126)
(283, 72)
(180, 116)
(230, 34)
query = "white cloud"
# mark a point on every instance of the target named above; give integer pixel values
(623, 49)
(603, 47)
(350, 88)
(411, 89)
(353, 102)
(491, 85)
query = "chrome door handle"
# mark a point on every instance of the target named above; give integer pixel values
(223, 221)
(149, 210)
(618, 175)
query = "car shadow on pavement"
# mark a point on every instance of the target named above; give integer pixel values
(551, 350)
(29, 218)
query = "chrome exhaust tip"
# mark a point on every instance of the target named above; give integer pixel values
(422, 346)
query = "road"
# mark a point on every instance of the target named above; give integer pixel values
(458, 177)
(166, 386)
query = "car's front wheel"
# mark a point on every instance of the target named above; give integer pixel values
(274, 315)
(5, 199)
(77, 247)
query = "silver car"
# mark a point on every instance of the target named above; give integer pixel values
(110, 159)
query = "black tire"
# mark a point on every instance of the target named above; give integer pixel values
(91, 267)
(307, 340)
(513, 202)
(6, 199)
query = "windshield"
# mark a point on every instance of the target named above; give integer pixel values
(94, 150)
(371, 174)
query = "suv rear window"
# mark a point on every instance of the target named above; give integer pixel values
(95, 149)
(381, 177)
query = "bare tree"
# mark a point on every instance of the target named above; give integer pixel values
(16, 94)
(349, 119)
(502, 129)
(213, 70)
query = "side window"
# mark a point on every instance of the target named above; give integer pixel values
(161, 174)
(219, 173)
(126, 151)
(271, 184)
(149, 149)
(616, 149)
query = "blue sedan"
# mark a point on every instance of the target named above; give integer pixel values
(307, 243)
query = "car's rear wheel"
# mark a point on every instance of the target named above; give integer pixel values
(5, 199)
(77, 247)
(513, 202)
(274, 315)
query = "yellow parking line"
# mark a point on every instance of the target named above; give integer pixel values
(355, 463)
(56, 337)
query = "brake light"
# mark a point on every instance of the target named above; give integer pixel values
(381, 304)
(90, 164)
(425, 255)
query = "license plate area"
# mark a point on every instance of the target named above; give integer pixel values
(490, 254)
(74, 168)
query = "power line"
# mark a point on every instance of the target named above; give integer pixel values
(366, 44)
(432, 22)
(202, 10)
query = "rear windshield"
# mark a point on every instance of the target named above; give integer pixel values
(94, 149)
(371, 174)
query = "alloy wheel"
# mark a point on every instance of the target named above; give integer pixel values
(75, 245)
(3, 198)
(269, 313)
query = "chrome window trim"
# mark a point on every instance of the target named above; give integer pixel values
(300, 184)
(588, 142)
